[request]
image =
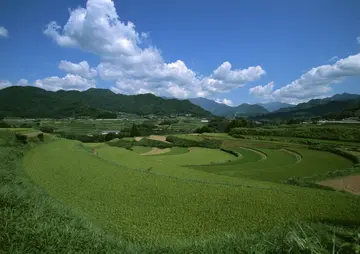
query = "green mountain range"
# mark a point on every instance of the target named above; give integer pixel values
(274, 106)
(338, 106)
(36, 102)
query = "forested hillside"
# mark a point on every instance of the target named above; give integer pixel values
(36, 102)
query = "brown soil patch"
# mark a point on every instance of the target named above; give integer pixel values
(347, 183)
(156, 150)
(159, 138)
(32, 134)
(138, 138)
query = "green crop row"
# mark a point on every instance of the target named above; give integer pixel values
(185, 142)
(327, 133)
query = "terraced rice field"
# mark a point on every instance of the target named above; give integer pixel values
(141, 149)
(160, 197)
(280, 164)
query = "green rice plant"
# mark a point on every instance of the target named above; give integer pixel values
(141, 149)
(122, 210)
(120, 198)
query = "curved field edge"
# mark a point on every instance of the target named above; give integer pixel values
(147, 206)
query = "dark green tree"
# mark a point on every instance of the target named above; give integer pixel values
(134, 131)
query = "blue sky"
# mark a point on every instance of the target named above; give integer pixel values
(232, 51)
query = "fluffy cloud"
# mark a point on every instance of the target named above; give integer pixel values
(358, 39)
(22, 82)
(264, 92)
(82, 69)
(98, 29)
(3, 32)
(69, 82)
(224, 101)
(315, 83)
(5, 83)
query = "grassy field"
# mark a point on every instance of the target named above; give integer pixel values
(141, 149)
(63, 197)
(110, 190)
(176, 151)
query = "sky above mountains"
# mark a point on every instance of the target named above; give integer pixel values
(229, 51)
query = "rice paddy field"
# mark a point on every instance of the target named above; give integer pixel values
(187, 194)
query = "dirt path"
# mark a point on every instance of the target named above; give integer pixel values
(159, 138)
(295, 154)
(262, 154)
(138, 138)
(347, 183)
(156, 150)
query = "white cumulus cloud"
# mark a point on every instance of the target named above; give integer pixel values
(5, 83)
(69, 82)
(82, 69)
(315, 83)
(3, 32)
(22, 82)
(224, 101)
(97, 28)
(264, 92)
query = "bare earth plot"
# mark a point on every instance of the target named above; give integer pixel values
(348, 183)
(138, 138)
(156, 150)
(158, 138)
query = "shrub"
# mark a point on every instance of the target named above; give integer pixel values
(122, 143)
(83, 138)
(25, 125)
(230, 152)
(47, 129)
(204, 129)
(40, 136)
(4, 125)
(153, 143)
(208, 143)
(21, 137)
(134, 131)
(112, 135)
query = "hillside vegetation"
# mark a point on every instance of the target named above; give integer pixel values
(36, 103)
(338, 106)
(327, 133)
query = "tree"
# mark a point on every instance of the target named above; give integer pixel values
(41, 137)
(134, 131)
(47, 129)
(110, 136)
(4, 125)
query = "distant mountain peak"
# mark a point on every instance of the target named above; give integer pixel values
(220, 109)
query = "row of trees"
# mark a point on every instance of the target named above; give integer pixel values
(221, 124)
